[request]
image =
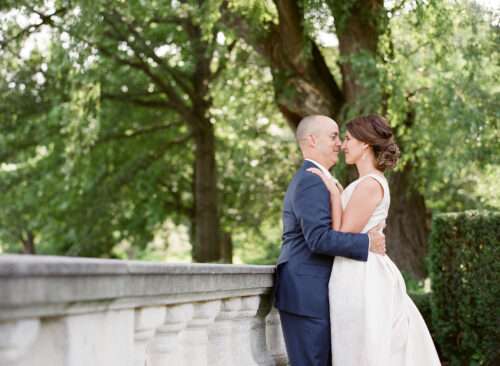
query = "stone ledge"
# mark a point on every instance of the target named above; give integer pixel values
(50, 286)
(30, 265)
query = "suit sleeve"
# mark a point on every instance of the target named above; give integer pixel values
(312, 206)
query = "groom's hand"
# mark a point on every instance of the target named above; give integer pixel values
(377, 239)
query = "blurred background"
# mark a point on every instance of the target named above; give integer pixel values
(163, 130)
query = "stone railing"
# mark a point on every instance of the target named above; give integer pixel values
(90, 312)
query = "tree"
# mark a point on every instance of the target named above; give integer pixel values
(170, 59)
(101, 133)
(362, 75)
(135, 128)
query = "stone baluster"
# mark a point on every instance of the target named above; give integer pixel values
(16, 338)
(259, 347)
(274, 337)
(165, 348)
(242, 330)
(195, 336)
(147, 320)
(221, 352)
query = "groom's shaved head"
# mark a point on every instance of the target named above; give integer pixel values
(312, 125)
(318, 138)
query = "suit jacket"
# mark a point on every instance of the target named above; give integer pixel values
(309, 247)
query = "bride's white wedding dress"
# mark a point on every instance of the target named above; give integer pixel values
(373, 320)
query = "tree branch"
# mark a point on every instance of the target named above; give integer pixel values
(140, 132)
(128, 173)
(149, 52)
(148, 103)
(291, 24)
(265, 39)
(144, 67)
(223, 61)
(303, 83)
(46, 19)
(175, 101)
(398, 7)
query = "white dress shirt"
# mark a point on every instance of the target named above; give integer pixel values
(323, 169)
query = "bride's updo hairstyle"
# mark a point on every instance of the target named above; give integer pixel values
(375, 131)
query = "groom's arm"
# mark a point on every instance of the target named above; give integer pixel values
(312, 207)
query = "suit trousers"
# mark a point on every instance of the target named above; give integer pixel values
(307, 340)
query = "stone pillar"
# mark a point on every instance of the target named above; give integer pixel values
(259, 348)
(16, 338)
(221, 351)
(166, 348)
(195, 337)
(147, 320)
(97, 338)
(242, 330)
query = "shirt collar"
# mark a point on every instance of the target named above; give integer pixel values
(321, 167)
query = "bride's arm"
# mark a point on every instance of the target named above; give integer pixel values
(360, 208)
(335, 202)
(365, 198)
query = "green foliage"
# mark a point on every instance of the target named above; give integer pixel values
(91, 164)
(421, 296)
(440, 74)
(90, 172)
(435, 77)
(464, 267)
(423, 303)
(257, 156)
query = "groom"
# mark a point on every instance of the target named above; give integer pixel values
(309, 247)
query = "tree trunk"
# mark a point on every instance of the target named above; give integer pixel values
(206, 244)
(407, 226)
(358, 30)
(28, 243)
(227, 247)
(303, 84)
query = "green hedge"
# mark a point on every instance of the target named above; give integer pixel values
(464, 263)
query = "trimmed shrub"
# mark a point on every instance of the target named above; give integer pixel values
(422, 300)
(464, 264)
(423, 303)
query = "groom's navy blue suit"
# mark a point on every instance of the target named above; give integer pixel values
(304, 267)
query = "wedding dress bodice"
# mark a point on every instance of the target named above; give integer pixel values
(382, 209)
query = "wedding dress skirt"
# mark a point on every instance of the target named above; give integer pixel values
(373, 320)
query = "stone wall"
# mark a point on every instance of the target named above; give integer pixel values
(92, 312)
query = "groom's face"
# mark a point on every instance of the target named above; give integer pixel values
(328, 143)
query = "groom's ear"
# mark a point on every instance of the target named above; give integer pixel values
(311, 140)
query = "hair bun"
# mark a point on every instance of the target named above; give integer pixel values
(388, 156)
(383, 131)
(375, 131)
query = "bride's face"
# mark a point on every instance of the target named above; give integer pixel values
(353, 149)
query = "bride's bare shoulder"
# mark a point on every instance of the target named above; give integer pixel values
(369, 187)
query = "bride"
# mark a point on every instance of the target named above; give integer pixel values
(373, 320)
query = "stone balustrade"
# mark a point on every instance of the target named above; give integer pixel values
(92, 312)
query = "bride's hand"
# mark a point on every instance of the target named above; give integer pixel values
(331, 183)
